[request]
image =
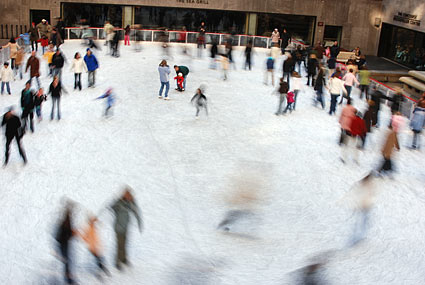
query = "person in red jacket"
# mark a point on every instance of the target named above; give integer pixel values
(180, 80)
(357, 130)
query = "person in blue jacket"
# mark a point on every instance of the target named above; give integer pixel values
(270, 69)
(418, 122)
(110, 100)
(164, 77)
(92, 64)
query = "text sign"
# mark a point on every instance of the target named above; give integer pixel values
(407, 19)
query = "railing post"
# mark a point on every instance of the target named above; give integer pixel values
(67, 33)
(97, 34)
(152, 36)
(239, 41)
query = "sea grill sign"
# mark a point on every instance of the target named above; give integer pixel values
(407, 19)
(193, 2)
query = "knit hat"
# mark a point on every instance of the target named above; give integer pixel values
(88, 49)
(397, 123)
(180, 74)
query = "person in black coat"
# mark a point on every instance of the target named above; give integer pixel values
(376, 97)
(115, 43)
(60, 26)
(13, 130)
(55, 90)
(286, 39)
(288, 68)
(318, 86)
(248, 51)
(312, 65)
(58, 61)
(27, 105)
(396, 100)
(64, 235)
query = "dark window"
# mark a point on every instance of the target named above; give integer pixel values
(93, 15)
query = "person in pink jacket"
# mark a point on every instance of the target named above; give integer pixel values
(347, 115)
(349, 80)
(91, 238)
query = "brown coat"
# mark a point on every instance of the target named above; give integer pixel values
(390, 144)
(34, 63)
(19, 57)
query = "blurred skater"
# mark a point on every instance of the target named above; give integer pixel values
(214, 52)
(367, 117)
(55, 90)
(391, 143)
(349, 80)
(64, 234)
(127, 31)
(297, 86)
(19, 62)
(283, 90)
(91, 238)
(288, 68)
(115, 43)
(200, 102)
(336, 87)
(48, 56)
(269, 70)
(318, 86)
(110, 100)
(417, 123)
(39, 98)
(122, 209)
(13, 130)
(290, 101)
(34, 64)
(224, 60)
(27, 106)
(248, 53)
(164, 77)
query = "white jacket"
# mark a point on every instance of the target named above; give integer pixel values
(336, 85)
(297, 83)
(6, 74)
(78, 65)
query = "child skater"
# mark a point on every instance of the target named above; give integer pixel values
(200, 102)
(110, 100)
(290, 99)
(38, 101)
(180, 80)
(91, 237)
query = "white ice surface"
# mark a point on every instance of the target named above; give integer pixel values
(183, 170)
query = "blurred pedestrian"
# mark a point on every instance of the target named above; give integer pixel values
(391, 143)
(64, 234)
(312, 65)
(286, 40)
(164, 77)
(109, 31)
(364, 75)
(376, 97)
(201, 38)
(248, 52)
(122, 209)
(48, 56)
(115, 43)
(13, 130)
(288, 68)
(275, 37)
(396, 102)
(78, 66)
(349, 80)
(34, 64)
(368, 119)
(297, 86)
(92, 65)
(19, 62)
(13, 51)
(214, 52)
(200, 102)
(289, 102)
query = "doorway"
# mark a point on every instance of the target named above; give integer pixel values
(332, 34)
(37, 15)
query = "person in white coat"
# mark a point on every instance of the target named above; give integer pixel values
(78, 66)
(6, 75)
(336, 86)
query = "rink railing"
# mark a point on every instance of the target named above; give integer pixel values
(407, 106)
(174, 37)
(4, 55)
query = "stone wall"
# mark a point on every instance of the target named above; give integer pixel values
(355, 16)
(412, 7)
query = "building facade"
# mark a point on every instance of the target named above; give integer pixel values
(351, 22)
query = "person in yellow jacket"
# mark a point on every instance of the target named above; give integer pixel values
(91, 238)
(48, 56)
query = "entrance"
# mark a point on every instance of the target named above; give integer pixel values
(332, 33)
(37, 15)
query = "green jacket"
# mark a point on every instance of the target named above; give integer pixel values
(122, 209)
(364, 77)
(184, 70)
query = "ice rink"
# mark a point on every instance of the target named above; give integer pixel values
(285, 172)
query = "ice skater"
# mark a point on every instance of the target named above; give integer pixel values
(180, 81)
(283, 90)
(269, 70)
(224, 65)
(27, 106)
(39, 98)
(110, 101)
(91, 238)
(13, 130)
(183, 70)
(122, 208)
(417, 123)
(200, 102)
(390, 144)
(164, 77)
(6, 76)
(64, 235)
(290, 99)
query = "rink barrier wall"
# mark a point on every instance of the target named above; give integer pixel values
(147, 35)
